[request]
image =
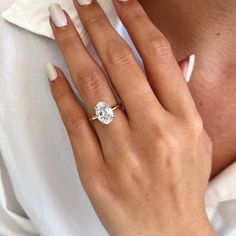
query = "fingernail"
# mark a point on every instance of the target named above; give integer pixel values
(190, 67)
(51, 72)
(57, 14)
(84, 2)
(122, 0)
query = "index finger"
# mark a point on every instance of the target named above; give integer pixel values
(161, 66)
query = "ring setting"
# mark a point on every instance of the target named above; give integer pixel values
(104, 113)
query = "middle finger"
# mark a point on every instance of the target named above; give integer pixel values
(119, 61)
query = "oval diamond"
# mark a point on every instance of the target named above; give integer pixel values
(104, 113)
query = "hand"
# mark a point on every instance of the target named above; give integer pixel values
(146, 173)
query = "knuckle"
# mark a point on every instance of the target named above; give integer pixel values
(59, 93)
(74, 123)
(101, 187)
(196, 125)
(98, 20)
(169, 140)
(68, 43)
(158, 46)
(137, 14)
(119, 54)
(91, 81)
(172, 143)
(168, 148)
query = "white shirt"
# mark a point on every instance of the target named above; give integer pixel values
(36, 154)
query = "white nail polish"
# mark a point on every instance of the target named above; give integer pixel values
(189, 71)
(57, 14)
(84, 2)
(51, 72)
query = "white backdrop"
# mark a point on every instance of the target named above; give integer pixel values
(35, 147)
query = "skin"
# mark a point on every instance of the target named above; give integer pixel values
(145, 171)
(208, 29)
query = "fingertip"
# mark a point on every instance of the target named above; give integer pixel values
(190, 67)
(52, 72)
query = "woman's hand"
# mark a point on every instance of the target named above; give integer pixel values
(146, 173)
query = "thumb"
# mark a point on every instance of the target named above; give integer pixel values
(187, 66)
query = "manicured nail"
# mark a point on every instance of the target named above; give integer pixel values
(51, 72)
(84, 2)
(57, 14)
(190, 67)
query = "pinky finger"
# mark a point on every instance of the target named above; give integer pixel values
(85, 145)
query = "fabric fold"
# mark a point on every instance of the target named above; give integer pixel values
(34, 16)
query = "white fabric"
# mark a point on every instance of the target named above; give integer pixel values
(35, 147)
(33, 16)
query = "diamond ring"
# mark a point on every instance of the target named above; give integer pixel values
(104, 113)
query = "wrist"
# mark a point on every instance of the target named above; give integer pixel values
(198, 230)
(194, 226)
(199, 227)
